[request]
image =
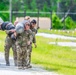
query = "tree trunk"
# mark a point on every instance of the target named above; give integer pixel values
(58, 7)
(66, 14)
(70, 7)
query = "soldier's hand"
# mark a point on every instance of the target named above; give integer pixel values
(13, 30)
(28, 43)
(38, 27)
(35, 45)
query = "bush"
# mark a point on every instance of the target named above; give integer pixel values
(56, 24)
(70, 24)
(5, 16)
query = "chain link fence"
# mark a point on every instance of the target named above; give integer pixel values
(44, 19)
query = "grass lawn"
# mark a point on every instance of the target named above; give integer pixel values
(52, 57)
(60, 32)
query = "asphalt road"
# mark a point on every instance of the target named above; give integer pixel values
(12, 70)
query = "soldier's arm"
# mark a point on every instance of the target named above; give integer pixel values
(37, 29)
(30, 36)
(34, 38)
(9, 31)
(34, 33)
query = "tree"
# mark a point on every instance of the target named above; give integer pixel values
(66, 6)
(4, 5)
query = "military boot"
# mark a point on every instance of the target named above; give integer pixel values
(7, 64)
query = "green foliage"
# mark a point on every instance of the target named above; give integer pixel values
(70, 24)
(56, 24)
(5, 16)
(45, 7)
(33, 5)
(4, 5)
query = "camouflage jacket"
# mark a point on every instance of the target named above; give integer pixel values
(34, 31)
(8, 37)
(23, 38)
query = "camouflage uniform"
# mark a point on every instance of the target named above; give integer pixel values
(34, 33)
(30, 48)
(22, 51)
(8, 44)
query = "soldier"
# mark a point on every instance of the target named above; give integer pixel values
(29, 47)
(8, 41)
(16, 21)
(34, 30)
(22, 43)
(8, 44)
(29, 50)
(27, 18)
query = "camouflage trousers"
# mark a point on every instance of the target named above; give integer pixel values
(10, 44)
(28, 59)
(21, 56)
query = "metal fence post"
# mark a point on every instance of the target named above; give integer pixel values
(24, 13)
(38, 19)
(24, 9)
(50, 20)
(10, 9)
(64, 21)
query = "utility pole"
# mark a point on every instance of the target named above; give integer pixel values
(10, 9)
(38, 19)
